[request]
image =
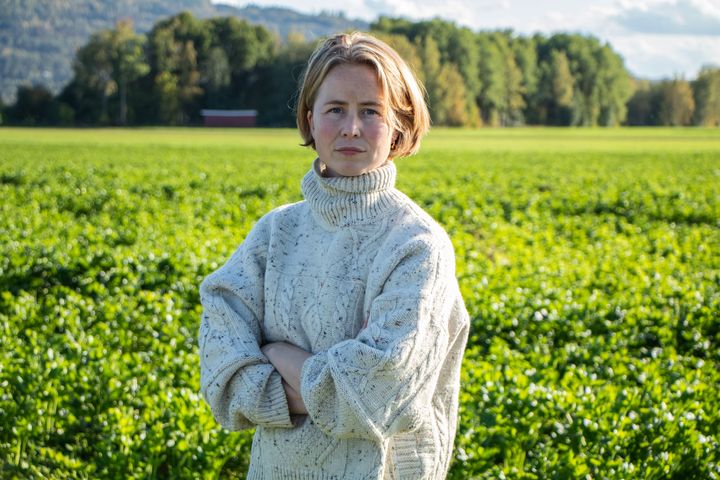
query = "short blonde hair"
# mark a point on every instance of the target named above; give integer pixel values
(408, 112)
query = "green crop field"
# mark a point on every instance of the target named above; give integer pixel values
(589, 261)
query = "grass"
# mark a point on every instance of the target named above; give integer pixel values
(588, 259)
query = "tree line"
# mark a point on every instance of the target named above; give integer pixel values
(494, 78)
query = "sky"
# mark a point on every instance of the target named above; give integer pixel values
(656, 38)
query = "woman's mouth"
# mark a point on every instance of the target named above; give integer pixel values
(349, 150)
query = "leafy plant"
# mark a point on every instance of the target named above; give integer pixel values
(588, 261)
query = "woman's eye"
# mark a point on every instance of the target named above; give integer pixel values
(335, 110)
(370, 111)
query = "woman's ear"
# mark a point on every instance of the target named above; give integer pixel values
(310, 123)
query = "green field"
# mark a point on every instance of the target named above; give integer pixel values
(589, 260)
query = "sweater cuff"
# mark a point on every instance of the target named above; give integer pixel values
(273, 410)
(310, 375)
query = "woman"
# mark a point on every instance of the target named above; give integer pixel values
(337, 328)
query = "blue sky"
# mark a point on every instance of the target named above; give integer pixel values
(656, 38)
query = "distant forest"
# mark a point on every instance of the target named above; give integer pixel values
(496, 78)
(39, 38)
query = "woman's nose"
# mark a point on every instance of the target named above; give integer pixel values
(351, 126)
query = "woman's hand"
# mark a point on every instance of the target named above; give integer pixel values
(294, 400)
(288, 360)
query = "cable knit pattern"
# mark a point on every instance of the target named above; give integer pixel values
(383, 400)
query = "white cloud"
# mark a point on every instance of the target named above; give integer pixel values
(676, 17)
(664, 56)
(663, 38)
(657, 38)
(462, 11)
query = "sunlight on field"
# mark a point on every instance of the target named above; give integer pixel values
(589, 261)
(488, 139)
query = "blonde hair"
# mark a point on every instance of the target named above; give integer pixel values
(408, 114)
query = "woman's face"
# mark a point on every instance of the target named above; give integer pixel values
(348, 123)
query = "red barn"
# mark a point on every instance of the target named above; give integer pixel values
(229, 118)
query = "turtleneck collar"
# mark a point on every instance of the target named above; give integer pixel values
(339, 201)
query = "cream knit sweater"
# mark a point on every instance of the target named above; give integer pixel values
(383, 400)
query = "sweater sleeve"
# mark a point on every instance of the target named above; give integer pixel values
(381, 383)
(239, 384)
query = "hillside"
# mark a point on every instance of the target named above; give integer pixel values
(38, 38)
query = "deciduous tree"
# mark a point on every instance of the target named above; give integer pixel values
(706, 92)
(677, 104)
(108, 63)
